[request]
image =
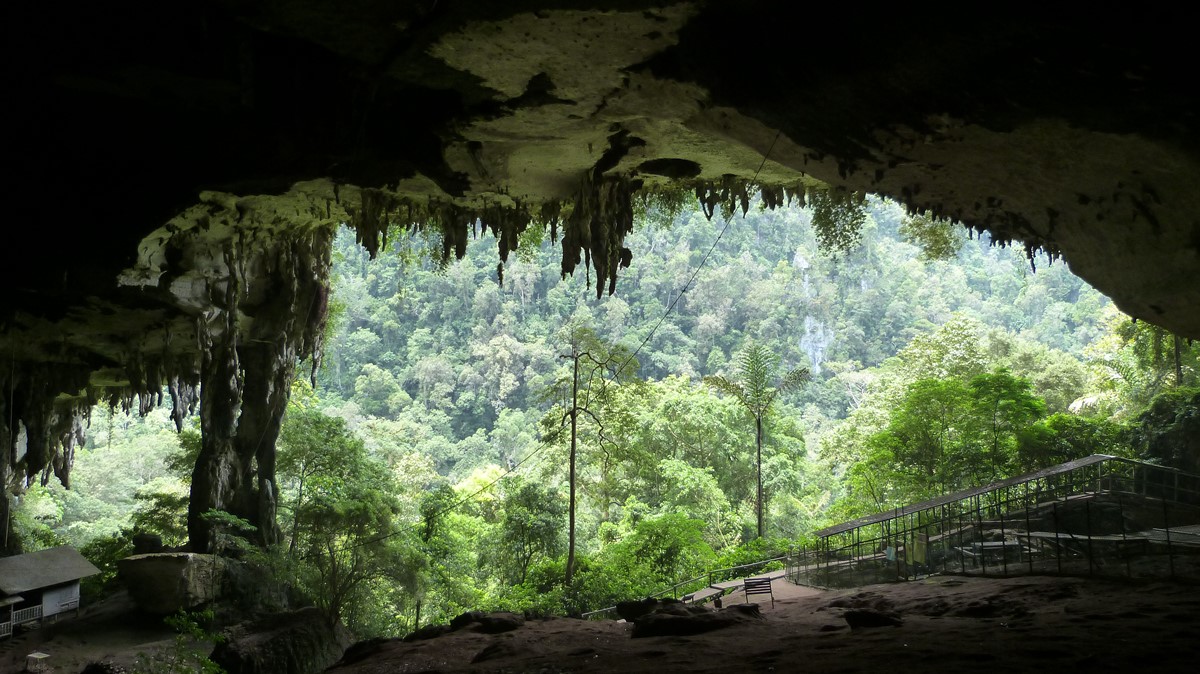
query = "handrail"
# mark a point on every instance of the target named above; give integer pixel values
(1060, 469)
(746, 566)
(798, 556)
(26, 614)
(707, 575)
(999, 512)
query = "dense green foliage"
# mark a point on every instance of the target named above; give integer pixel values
(187, 653)
(756, 390)
(429, 472)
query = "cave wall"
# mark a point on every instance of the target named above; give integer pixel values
(190, 161)
(232, 295)
(1071, 130)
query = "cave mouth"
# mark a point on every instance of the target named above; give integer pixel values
(208, 153)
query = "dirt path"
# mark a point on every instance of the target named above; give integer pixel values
(111, 630)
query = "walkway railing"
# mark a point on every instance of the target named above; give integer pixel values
(26, 614)
(686, 588)
(5, 629)
(1101, 515)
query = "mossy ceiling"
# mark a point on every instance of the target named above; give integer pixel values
(162, 151)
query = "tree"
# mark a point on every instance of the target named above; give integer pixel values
(1169, 430)
(531, 525)
(1003, 407)
(1136, 361)
(938, 238)
(378, 393)
(313, 448)
(926, 435)
(752, 388)
(694, 491)
(1065, 437)
(596, 369)
(954, 350)
(837, 221)
(342, 506)
(671, 546)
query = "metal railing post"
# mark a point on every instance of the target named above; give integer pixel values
(1087, 524)
(979, 523)
(1003, 545)
(1057, 544)
(945, 552)
(1167, 530)
(1028, 538)
(1124, 539)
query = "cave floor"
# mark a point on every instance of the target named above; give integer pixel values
(950, 624)
(111, 630)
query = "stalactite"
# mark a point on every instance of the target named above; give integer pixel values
(243, 381)
(772, 197)
(67, 433)
(601, 217)
(370, 220)
(52, 426)
(247, 372)
(591, 226)
(184, 390)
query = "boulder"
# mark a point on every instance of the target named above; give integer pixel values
(632, 610)
(428, 632)
(146, 544)
(465, 619)
(693, 620)
(864, 617)
(495, 623)
(293, 642)
(164, 583)
(487, 623)
(499, 649)
(363, 650)
(103, 668)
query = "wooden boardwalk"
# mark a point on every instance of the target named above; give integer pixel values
(732, 591)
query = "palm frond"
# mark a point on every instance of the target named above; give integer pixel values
(728, 387)
(794, 379)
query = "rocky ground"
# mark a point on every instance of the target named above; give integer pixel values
(949, 624)
(946, 623)
(109, 631)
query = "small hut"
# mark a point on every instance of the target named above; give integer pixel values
(40, 585)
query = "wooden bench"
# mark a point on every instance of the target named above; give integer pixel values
(758, 586)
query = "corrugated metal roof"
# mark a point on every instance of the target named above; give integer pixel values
(967, 493)
(44, 568)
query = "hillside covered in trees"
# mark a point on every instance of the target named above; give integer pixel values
(749, 382)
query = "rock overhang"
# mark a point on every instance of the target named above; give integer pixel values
(182, 153)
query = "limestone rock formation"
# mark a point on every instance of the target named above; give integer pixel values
(295, 642)
(181, 167)
(680, 620)
(165, 583)
(634, 609)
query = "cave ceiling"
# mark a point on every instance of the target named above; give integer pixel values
(171, 164)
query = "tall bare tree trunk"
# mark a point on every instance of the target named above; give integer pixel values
(1178, 363)
(574, 429)
(758, 439)
(6, 520)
